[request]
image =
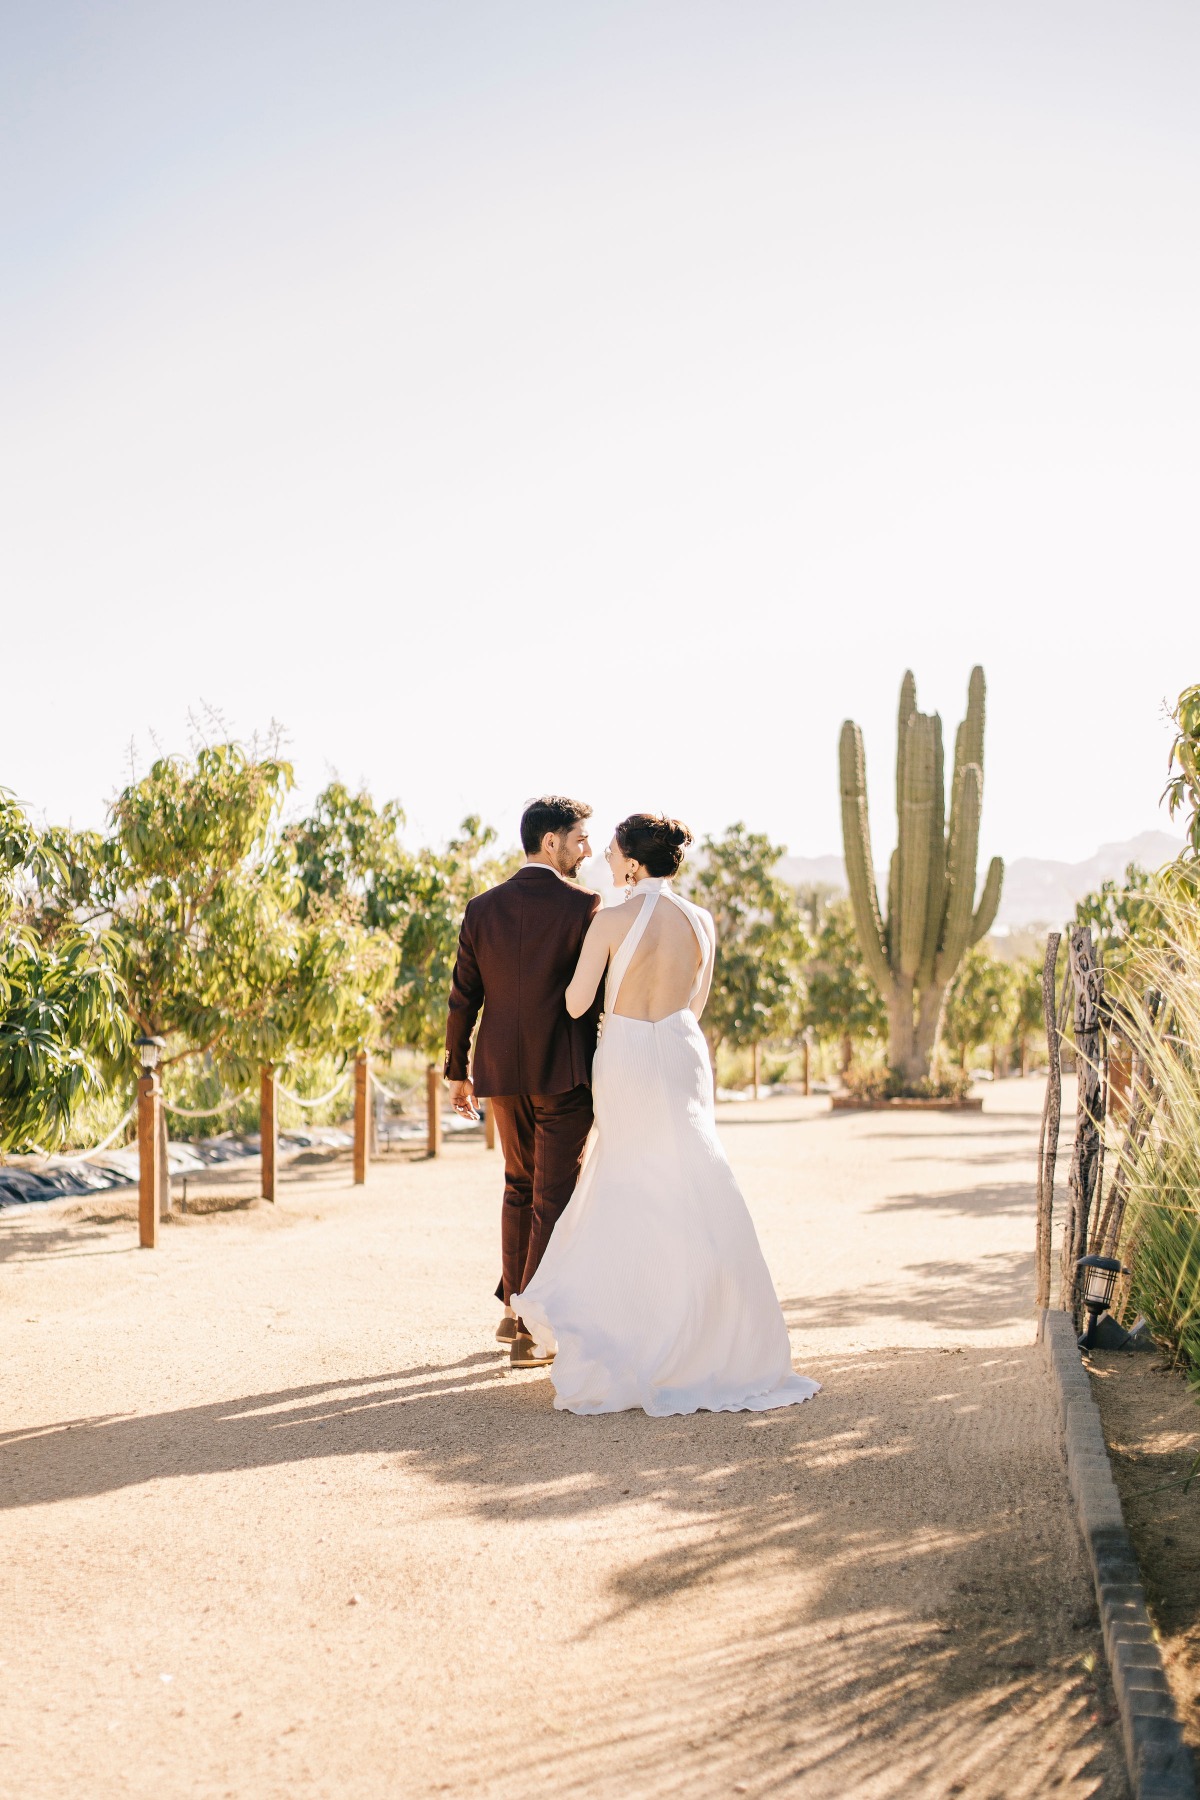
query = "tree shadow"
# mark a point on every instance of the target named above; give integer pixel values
(37, 1243)
(985, 1129)
(992, 1292)
(903, 1638)
(1014, 1197)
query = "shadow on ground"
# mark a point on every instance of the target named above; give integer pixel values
(954, 1678)
(989, 1294)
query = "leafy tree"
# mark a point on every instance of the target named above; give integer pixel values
(979, 1005)
(1122, 917)
(63, 1023)
(1182, 792)
(757, 990)
(1027, 1008)
(349, 847)
(203, 904)
(843, 1004)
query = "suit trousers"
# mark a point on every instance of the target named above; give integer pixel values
(543, 1138)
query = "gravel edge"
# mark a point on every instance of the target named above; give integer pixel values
(1160, 1763)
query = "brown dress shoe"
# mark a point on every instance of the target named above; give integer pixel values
(526, 1355)
(506, 1330)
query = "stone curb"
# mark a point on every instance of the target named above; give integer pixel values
(1160, 1763)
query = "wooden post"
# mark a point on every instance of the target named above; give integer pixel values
(148, 1166)
(807, 1070)
(1088, 983)
(267, 1129)
(1048, 1142)
(489, 1125)
(362, 1111)
(433, 1109)
(164, 1169)
(754, 1067)
(1120, 1070)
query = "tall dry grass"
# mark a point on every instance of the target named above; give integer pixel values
(1159, 994)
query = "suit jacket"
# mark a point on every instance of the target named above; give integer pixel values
(517, 951)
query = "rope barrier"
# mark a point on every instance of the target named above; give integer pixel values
(82, 1155)
(320, 1100)
(391, 1093)
(204, 1112)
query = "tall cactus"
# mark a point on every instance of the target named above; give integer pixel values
(932, 917)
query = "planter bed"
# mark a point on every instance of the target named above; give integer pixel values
(849, 1103)
(1152, 1429)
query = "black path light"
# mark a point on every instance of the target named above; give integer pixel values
(1099, 1279)
(148, 1049)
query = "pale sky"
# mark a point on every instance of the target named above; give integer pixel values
(605, 398)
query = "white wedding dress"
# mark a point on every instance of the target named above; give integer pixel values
(653, 1288)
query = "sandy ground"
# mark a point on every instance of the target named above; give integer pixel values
(281, 1522)
(1152, 1426)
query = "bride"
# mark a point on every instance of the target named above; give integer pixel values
(653, 1290)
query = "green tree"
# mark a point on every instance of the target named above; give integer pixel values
(843, 1005)
(1123, 916)
(1028, 1017)
(217, 951)
(979, 1006)
(63, 1022)
(348, 847)
(1182, 793)
(758, 986)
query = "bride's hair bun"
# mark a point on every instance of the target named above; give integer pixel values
(655, 841)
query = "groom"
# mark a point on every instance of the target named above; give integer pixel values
(517, 951)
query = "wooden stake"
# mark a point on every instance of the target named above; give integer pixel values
(148, 1177)
(1088, 983)
(489, 1125)
(433, 1110)
(268, 1130)
(1051, 1109)
(164, 1170)
(362, 1112)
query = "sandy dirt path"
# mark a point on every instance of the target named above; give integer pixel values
(280, 1522)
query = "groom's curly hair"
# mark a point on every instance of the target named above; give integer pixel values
(553, 812)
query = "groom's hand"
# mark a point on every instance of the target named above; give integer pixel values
(462, 1099)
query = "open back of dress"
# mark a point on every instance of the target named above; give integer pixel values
(635, 955)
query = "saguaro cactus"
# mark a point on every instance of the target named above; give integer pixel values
(932, 918)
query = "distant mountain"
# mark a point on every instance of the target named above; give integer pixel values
(1036, 892)
(813, 871)
(1045, 893)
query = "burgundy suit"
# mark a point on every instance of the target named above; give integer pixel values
(517, 950)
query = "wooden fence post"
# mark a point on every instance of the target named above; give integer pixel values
(164, 1167)
(148, 1166)
(489, 1125)
(1089, 1111)
(754, 1067)
(362, 1116)
(807, 1067)
(268, 1130)
(1051, 1109)
(433, 1109)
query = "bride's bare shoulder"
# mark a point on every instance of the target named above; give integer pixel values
(618, 919)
